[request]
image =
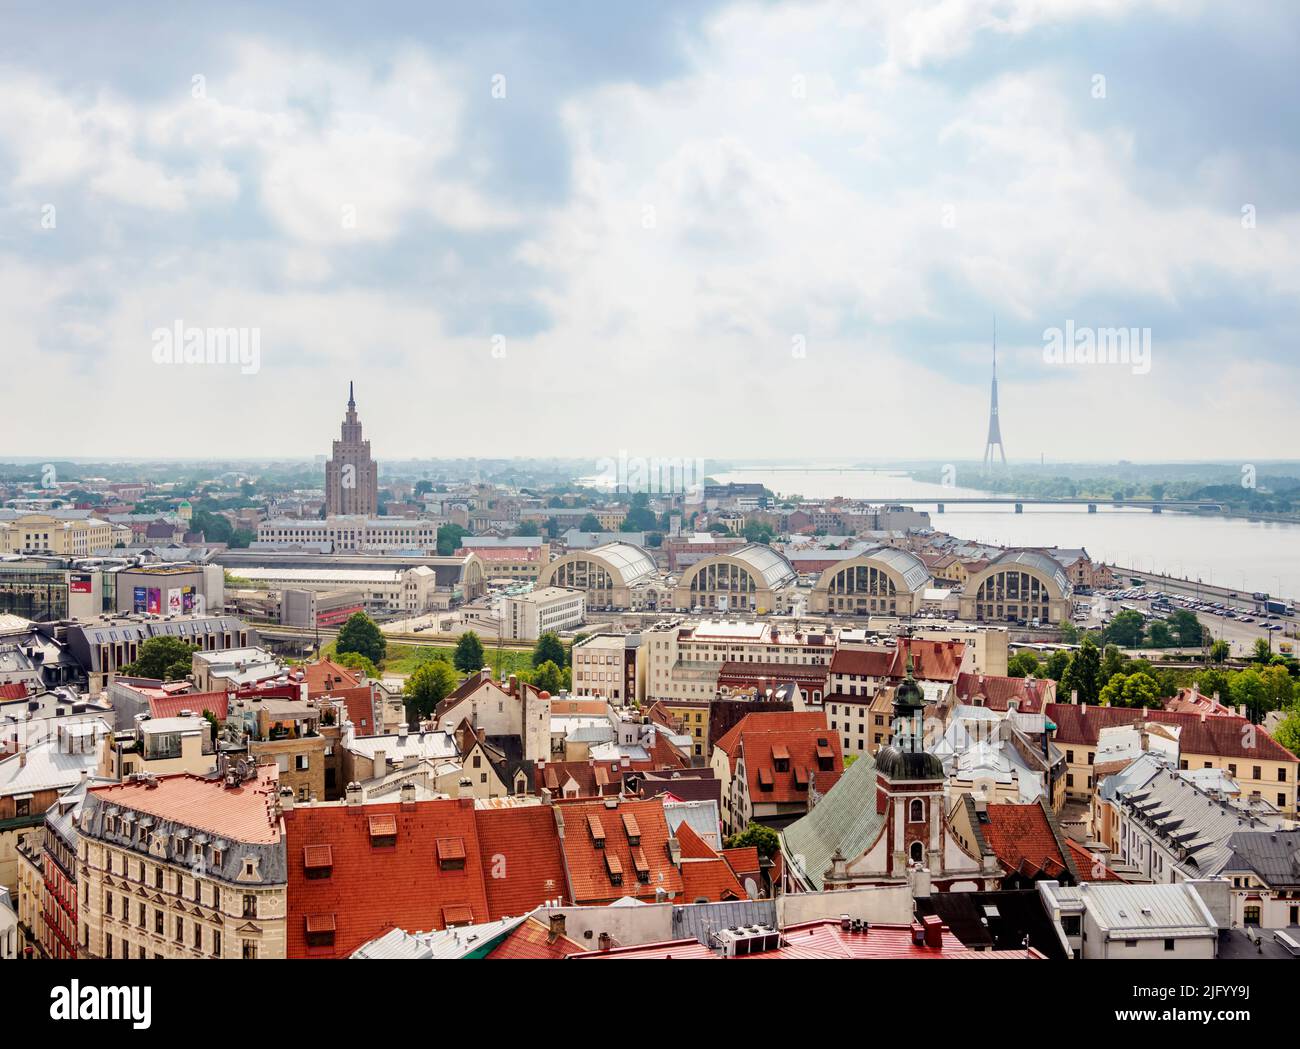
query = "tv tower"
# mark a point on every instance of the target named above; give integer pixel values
(995, 430)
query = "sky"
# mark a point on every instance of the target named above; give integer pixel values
(676, 229)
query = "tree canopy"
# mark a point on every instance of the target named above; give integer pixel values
(361, 634)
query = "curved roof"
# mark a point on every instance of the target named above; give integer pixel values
(769, 568)
(1032, 559)
(630, 563)
(910, 568)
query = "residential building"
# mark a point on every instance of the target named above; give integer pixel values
(1136, 922)
(525, 617)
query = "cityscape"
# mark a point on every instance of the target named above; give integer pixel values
(697, 489)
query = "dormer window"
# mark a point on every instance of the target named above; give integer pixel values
(317, 861)
(597, 831)
(451, 854)
(383, 832)
(632, 829)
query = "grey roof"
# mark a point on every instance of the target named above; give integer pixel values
(1272, 855)
(701, 815)
(845, 819)
(1179, 816)
(1138, 912)
(632, 563)
(702, 920)
(1048, 566)
(770, 566)
(48, 766)
(441, 944)
(915, 575)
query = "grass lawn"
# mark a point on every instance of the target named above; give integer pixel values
(403, 659)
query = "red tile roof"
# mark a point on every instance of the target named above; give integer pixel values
(197, 702)
(770, 721)
(243, 813)
(519, 851)
(16, 690)
(1191, 701)
(997, 691)
(803, 748)
(1090, 865)
(862, 663)
(591, 876)
(1225, 737)
(737, 674)
(931, 660)
(326, 675)
(373, 887)
(1024, 841)
(743, 861)
(532, 939)
(824, 940)
(360, 704)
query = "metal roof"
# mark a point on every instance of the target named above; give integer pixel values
(632, 563)
(1040, 562)
(1147, 911)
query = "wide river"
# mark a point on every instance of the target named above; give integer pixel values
(1226, 551)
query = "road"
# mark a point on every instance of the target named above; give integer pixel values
(1241, 636)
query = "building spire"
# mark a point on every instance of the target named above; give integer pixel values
(351, 400)
(995, 429)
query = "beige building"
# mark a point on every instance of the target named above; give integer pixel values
(1020, 586)
(161, 746)
(183, 867)
(683, 660)
(609, 665)
(883, 581)
(71, 534)
(526, 617)
(609, 575)
(751, 579)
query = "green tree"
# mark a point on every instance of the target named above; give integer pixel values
(1069, 633)
(1131, 690)
(1213, 681)
(528, 528)
(1023, 664)
(1160, 636)
(1084, 672)
(430, 683)
(759, 532)
(549, 678)
(765, 839)
(640, 518)
(1262, 652)
(449, 537)
(1125, 629)
(356, 661)
(1288, 732)
(1112, 663)
(469, 656)
(1219, 651)
(549, 649)
(1187, 629)
(589, 524)
(164, 658)
(1056, 664)
(361, 634)
(1249, 688)
(423, 487)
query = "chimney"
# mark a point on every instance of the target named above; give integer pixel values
(381, 764)
(675, 852)
(933, 931)
(557, 927)
(485, 674)
(514, 684)
(1074, 695)
(604, 942)
(353, 794)
(286, 800)
(408, 796)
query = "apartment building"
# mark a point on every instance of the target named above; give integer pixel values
(71, 533)
(183, 867)
(609, 665)
(526, 617)
(353, 533)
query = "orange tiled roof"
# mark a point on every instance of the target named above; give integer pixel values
(617, 867)
(1023, 840)
(769, 721)
(326, 675)
(800, 752)
(373, 886)
(198, 702)
(931, 660)
(531, 939)
(521, 859)
(243, 813)
(1090, 866)
(997, 691)
(1223, 736)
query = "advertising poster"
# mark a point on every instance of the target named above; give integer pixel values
(174, 601)
(81, 583)
(187, 598)
(141, 601)
(155, 600)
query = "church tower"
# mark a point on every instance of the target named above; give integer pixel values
(909, 784)
(351, 476)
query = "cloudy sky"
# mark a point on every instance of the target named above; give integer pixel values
(748, 229)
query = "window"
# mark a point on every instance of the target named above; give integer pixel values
(249, 949)
(158, 922)
(1169, 945)
(180, 929)
(250, 905)
(198, 936)
(216, 942)
(108, 946)
(917, 852)
(916, 811)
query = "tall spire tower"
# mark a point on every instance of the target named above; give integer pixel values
(351, 475)
(995, 430)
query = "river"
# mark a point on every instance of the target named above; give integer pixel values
(1224, 551)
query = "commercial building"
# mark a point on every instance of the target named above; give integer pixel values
(878, 581)
(609, 575)
(66, 533)
(351, 476)
(526, 617)
(1147, 922)
(749, 579)
(102, 646)
(1019, 586)
(350, 533)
